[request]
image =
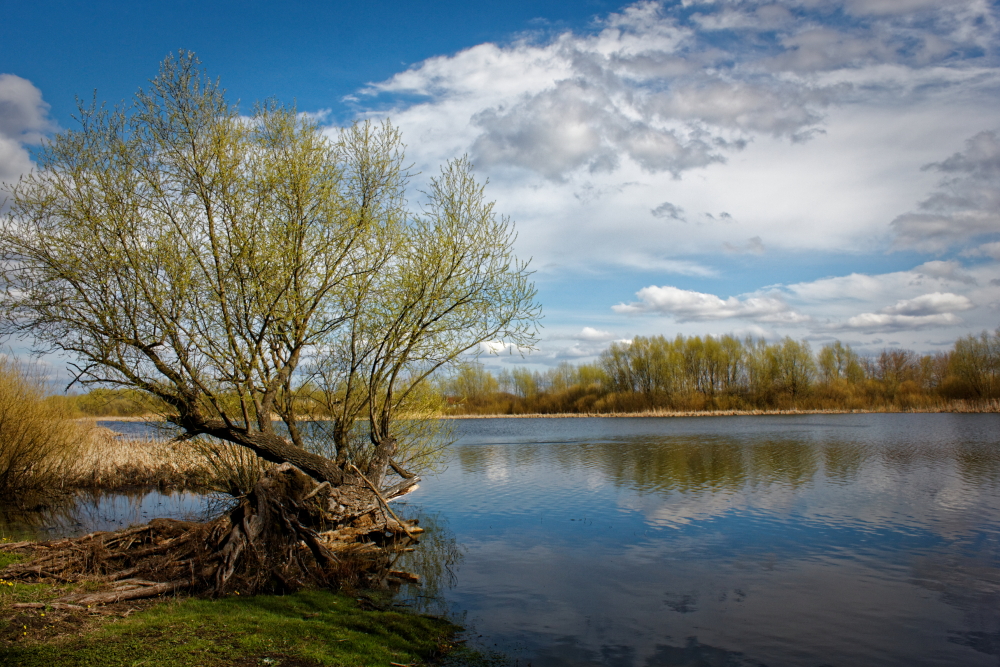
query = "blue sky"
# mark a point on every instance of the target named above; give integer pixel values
(825, 169)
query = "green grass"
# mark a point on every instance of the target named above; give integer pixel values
(9, 559)
(305, 629)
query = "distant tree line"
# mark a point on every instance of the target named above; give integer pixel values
(684, 373)
(730, 373)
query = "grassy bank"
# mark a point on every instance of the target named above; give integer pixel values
(305, 629)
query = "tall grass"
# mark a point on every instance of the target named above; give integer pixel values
(108, 460)
(232, 470)
(36, 437)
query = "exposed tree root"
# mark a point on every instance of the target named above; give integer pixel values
(289, 532)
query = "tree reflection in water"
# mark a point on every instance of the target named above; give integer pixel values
(435, 560)
(685, 464)
(88, 511)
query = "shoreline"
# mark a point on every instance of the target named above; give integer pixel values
(728, 413)
(993, 408)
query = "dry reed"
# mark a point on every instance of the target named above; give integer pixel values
(108, 460)
(35, 437)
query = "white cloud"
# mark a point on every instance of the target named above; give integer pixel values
(945, 270)
(991, 250)
(645, 88)
(601, 144)
(591, 334)
(966, 204)
(688, 306)
(889, 7)
(885, 323)
(929, 304)
(24, 121)
(929, 296)
(767, 17)
(680, 267)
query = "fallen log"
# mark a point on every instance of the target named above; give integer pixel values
(110, 597)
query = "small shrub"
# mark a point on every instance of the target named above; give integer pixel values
(36, 438)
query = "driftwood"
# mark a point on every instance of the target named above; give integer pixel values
(289, 532)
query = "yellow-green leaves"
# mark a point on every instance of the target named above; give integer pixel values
(222, 262)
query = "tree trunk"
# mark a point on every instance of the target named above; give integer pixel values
(270, 447)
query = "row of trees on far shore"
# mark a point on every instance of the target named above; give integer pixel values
(684, 373)
(729, 373)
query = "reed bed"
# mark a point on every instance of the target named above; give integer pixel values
(107, 460)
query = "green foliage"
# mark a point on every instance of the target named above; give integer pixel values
(7, 558)
(236, 266)
(105, 402)
(725, 373)
(975, 366)
(838, 362)
(469, 382)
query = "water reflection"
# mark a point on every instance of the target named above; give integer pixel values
(90, 511)
(842, 540)
(689, 464)
(435, 560)
(568, 653)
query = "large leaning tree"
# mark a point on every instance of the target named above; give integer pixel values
(224, 262)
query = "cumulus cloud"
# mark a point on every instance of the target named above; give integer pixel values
(24, 120)
(927, 310)
(579, 124)
(889, 7)
(690, 306)
(651, 87)
(945, 270)
(966, 204)
(784, 113)
(930, 304)
(870, 323)
(593, 335)
(991, 250)
(766, 17)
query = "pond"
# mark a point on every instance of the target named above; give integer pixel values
(719, 541)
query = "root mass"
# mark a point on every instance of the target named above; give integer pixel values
(287, 533)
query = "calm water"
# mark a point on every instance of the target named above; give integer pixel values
(794, 540)
(106, 511)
